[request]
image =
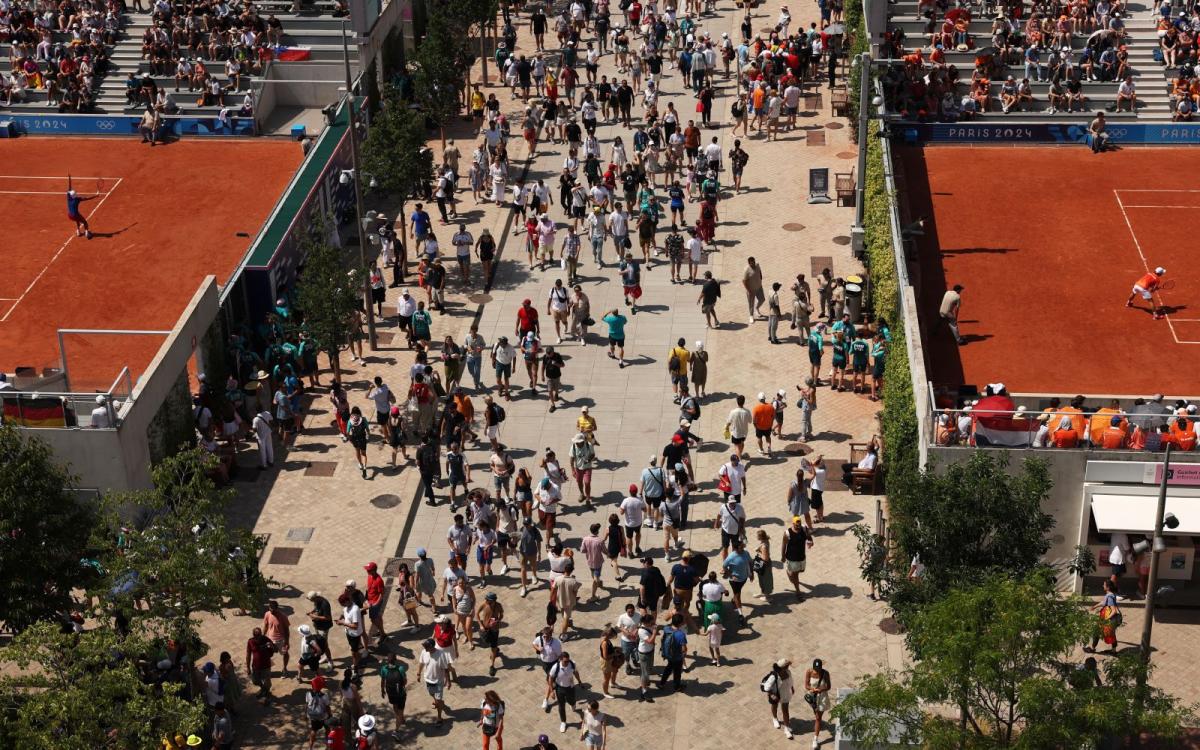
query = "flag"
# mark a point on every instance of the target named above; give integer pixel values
(32, 411)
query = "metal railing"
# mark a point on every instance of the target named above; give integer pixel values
(68, 410)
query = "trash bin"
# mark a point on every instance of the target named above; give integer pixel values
(854, 300)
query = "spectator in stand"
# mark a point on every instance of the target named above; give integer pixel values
(1127, 94)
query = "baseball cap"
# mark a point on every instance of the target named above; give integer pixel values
(1160, 271)
(371, 566)
(318, 683)
(420, 551)
(543, 739)
(350, 584)
(796, 519)
(633, 488)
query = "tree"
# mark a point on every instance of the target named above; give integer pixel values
(996, 651)
(964, 522)
(440, 66)
(86, 691)
(180, 557)
(327, 294)
(392, 154)
(474, 14)
(44, 531)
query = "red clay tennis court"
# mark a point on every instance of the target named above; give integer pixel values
(163, 218)
(1047, 242)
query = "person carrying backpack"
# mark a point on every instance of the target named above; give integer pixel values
(429, 464)
(672, 649)
(316, 709)
(313, 648)
(779, 687)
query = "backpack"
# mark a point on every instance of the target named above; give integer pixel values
(671, 649)
(691, 407)
(314, 706)
(498, 413)
(769, 684)
(673, 363)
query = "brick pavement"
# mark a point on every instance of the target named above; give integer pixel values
(354, 521)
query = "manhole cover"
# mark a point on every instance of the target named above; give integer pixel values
(320, 468)
(835, 125)
(797, 449)
(385, 501)
(841, 239)
(847, 155)
(285, 555)
(889, 626)
(392, 567)
(815, 138)
(1057, 539)
(793, 227)
(480, 298)
(384, 338)
(820, 263)
(302, 534)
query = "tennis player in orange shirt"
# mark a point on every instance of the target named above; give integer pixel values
(1145, 286)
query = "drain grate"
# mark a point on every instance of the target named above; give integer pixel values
(815, 138)
(385, 501)
(320, 468)
(285, 556)
(302, 534)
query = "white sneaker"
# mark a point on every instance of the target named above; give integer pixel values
(751, 321)
(816, 742)
(524, 592)
(545, 704)
(562, 726)
(560, 339)
(504, 570)
(787, 733)
(776, 723)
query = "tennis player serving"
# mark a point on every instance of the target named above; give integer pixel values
(1146, 286)
(73, 200)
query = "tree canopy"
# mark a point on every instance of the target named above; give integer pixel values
(44, 529)
(993, 674)
(326, 293)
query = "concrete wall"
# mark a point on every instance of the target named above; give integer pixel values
(120, 459)
(264, 98)
(1067, 502)
(305, 84)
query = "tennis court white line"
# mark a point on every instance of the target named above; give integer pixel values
(1154, 190)
(55, 257)
(1152, 206)
(60, 193)
(61, 177)
(1145, 265)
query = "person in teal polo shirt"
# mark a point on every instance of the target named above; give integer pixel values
(616, 335)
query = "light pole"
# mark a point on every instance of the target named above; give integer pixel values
(858, 233)
(1157, 546)
(373, 340)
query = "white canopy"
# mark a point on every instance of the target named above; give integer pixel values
(1135, 513)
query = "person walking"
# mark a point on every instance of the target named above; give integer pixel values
(595, 727)
(752, 282)
(780, 688)
(710, 292)
(259, 651)
(426, 581)
(761, 565)
(562, 678)
(793, 549)
(763, 416)
(393, 687)
(437, 671)
(491, 720)
(737, 567)
(564, 596)
(737, 426)
(592, 546)
(647, 636)
(807, 405)
(817, 684)
(316, 710)
(616, 335)
(583, 461)
(633, 510)
(357, 432)
(699, 364)
(611, 659)
(677, 367)
(674, 649)
(278, 629)
(774, 313)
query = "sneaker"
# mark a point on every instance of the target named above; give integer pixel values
(545, 705)
(816, 742)
(560, 339)
(562, 726)
(504, 570)
(787, 733)
(752, 321)
(524, 591)
(776, 723)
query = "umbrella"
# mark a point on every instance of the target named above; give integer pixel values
(835, 29)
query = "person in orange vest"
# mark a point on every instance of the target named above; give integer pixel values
(1103, 418)
(1145, 287)
(1185, 436)
(1075, 413)
(1113, 437)
(1137, 439)
(1066, 436)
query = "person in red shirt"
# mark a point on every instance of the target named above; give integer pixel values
(374, 602)
(527, 319)
(1145, 287)
(1066, 436)
(259, 650)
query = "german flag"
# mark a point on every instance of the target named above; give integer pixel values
(34, 411)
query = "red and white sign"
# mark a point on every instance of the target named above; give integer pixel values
(1187, 475)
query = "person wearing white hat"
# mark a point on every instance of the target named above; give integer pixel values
(779, 403)
(699, 365)
(366, 731)
(780, 687)
(101, 415)
(261, 426)
(1145, 287)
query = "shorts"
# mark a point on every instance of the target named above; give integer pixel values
(576, 212)
(1118, 569)
(493, 432)
(1146, 294)
(260, 677)
(355, 642)
(817, 499)
(381, 417)
(761, 433)
(375, 611)
(491, 638)
(789, 111)
(727, 539)
(499, 482)
(634, 291)
(397, 701)
(645, 664)
(595, 572)
(560, 314)
(738, 441)
(737, 587)
(616, 342)
(677, 379)
(654, 502)
(708, 309)
(435, 690)
(503, 371)
(316, 725)
(859, 367)
(554, 384)
(582, 475)
(795, 566)
(74, 217)
(631, 531)
(405, 322)
(484, 557)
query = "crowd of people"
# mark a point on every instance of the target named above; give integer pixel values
(1024, 45)
(1149, 424)
(61, 49)
(506, 539)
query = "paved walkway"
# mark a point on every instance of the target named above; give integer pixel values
(325, 522)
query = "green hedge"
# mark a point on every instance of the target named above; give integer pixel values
(899, 418)
(856, 26)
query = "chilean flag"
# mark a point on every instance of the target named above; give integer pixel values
(292, 54)
(994, 423)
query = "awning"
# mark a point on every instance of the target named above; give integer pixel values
(1135, 513)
